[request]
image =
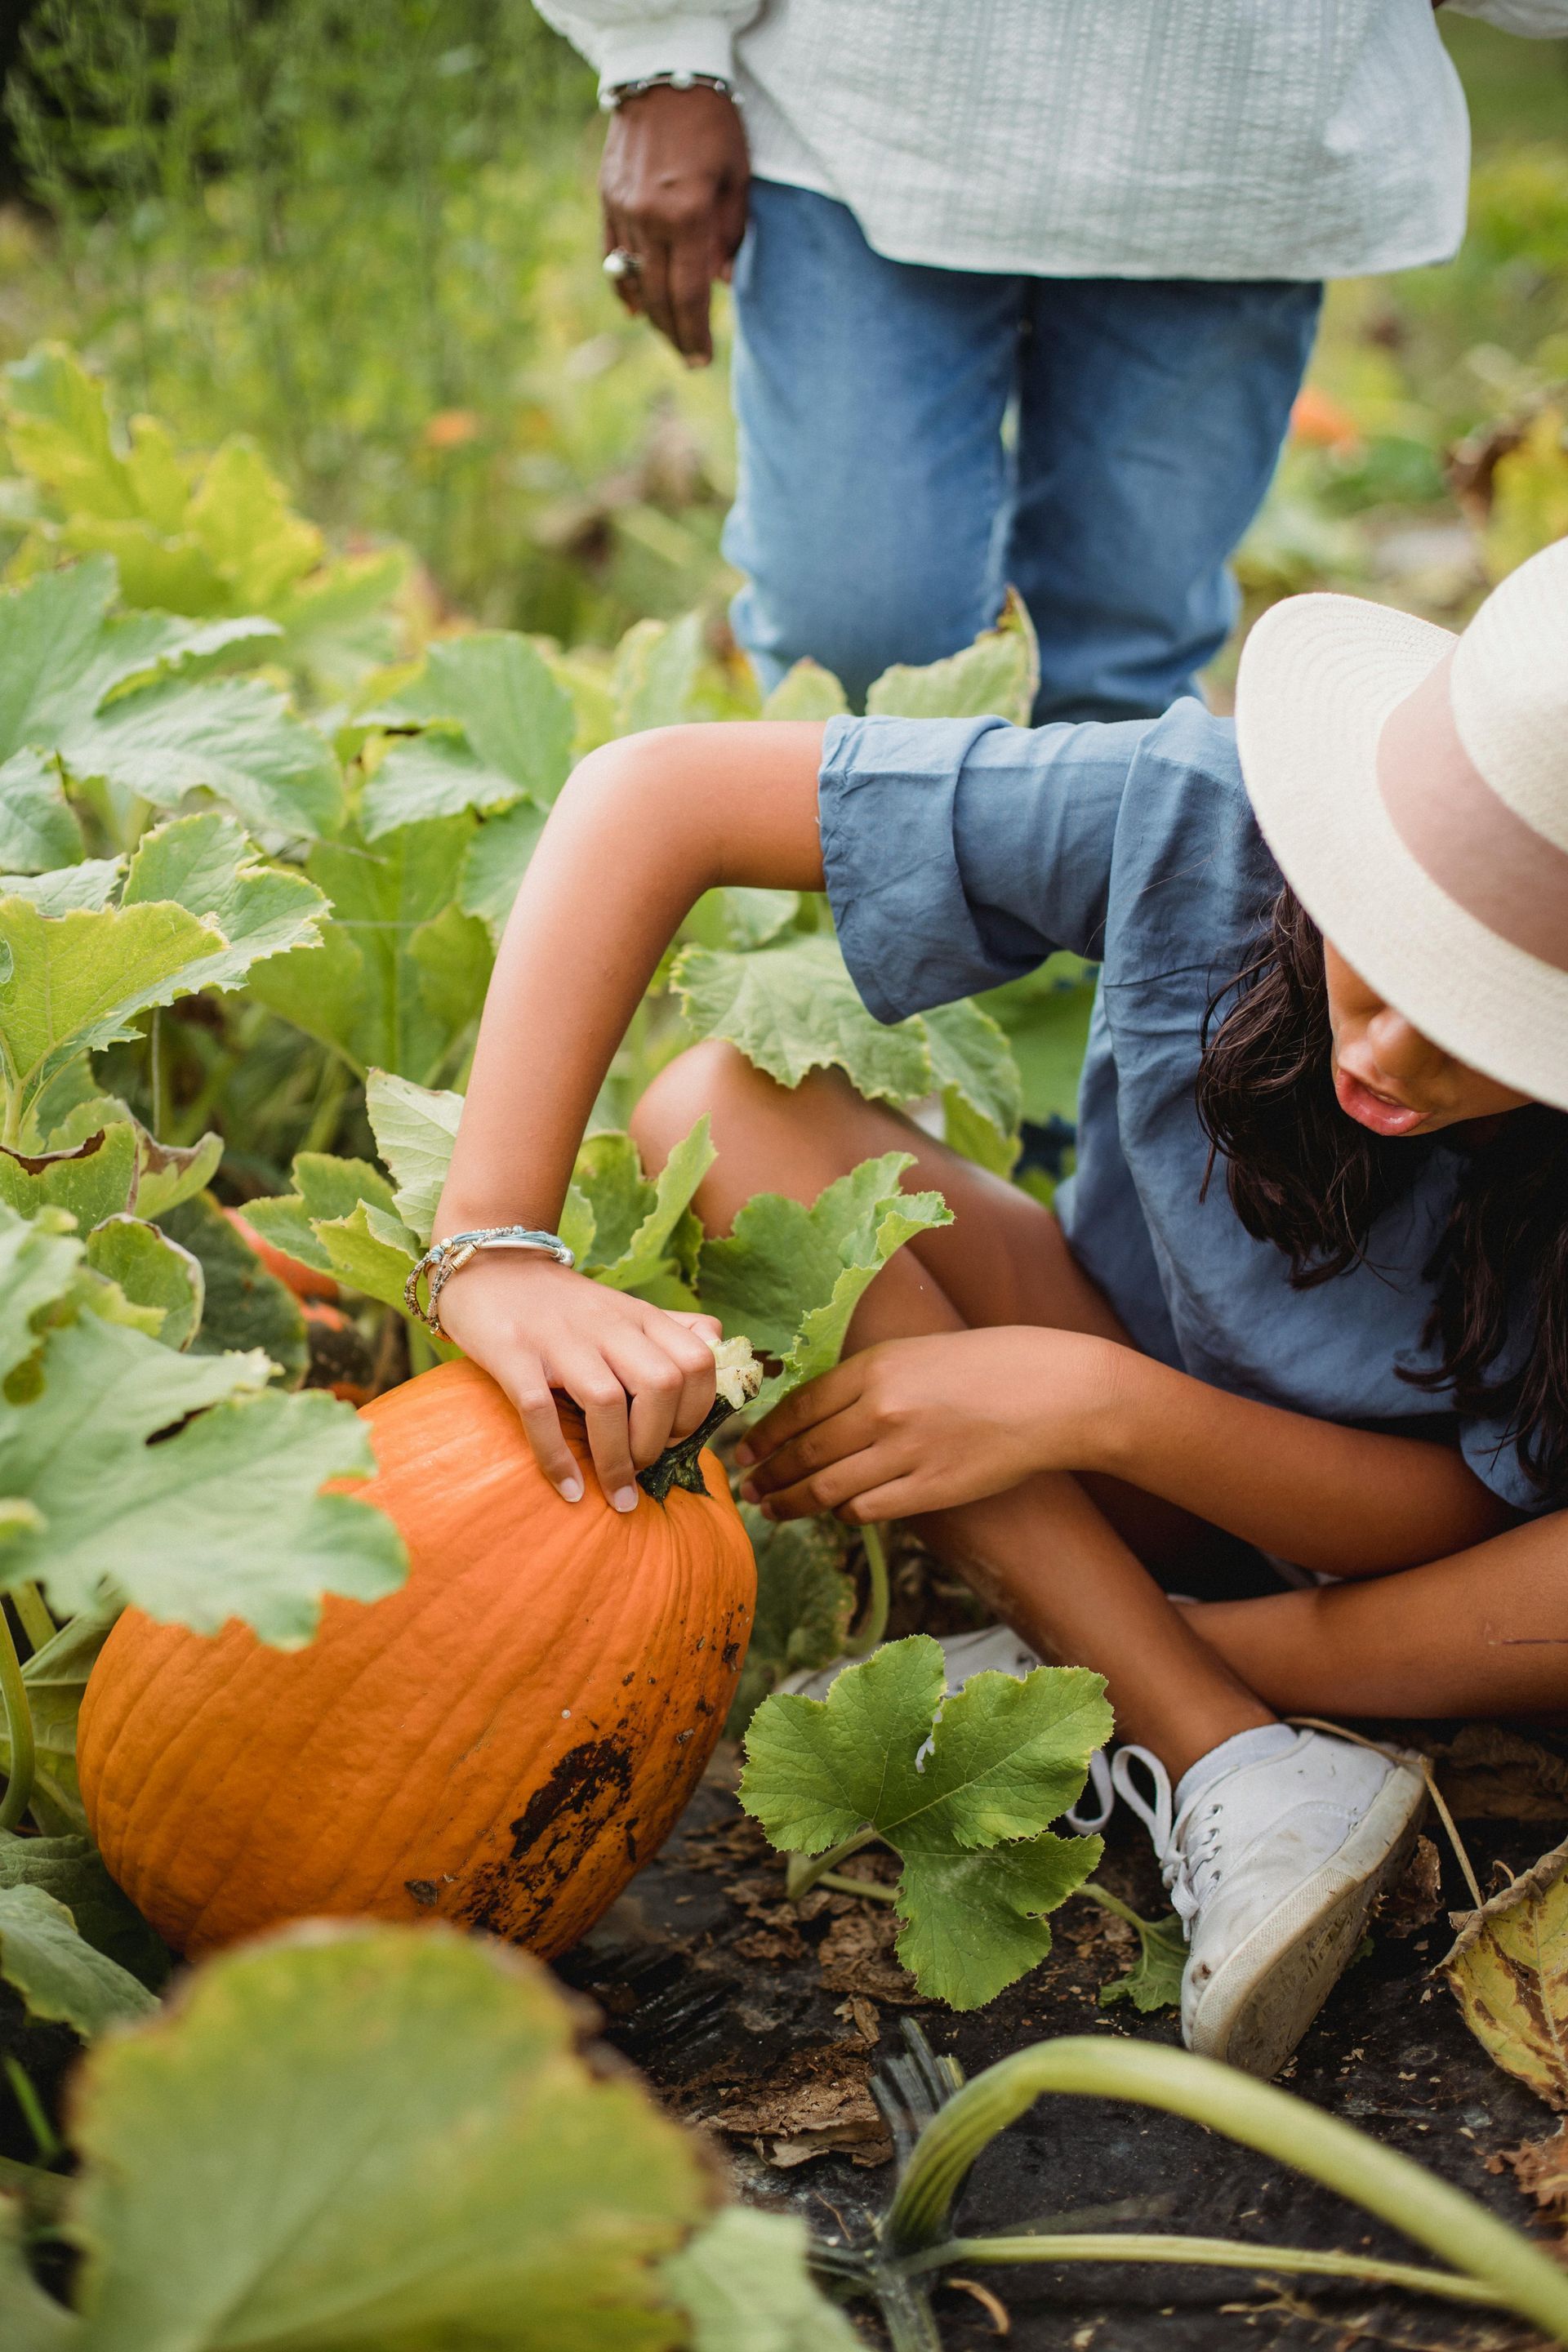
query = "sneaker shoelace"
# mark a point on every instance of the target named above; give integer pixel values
(1187, 1848)
(1079, 1818)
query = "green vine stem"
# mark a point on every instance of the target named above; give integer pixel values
(804, 1871)
(1092, 1888)
(1256, 2114)
(32, 1610)
(869, 1633)
(1216, 2253)
(18, 1730)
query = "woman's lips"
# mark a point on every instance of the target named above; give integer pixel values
(1380, 1112)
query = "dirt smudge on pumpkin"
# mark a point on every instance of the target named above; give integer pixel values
(586, 1789)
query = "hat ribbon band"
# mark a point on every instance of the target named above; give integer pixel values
(1480, 852)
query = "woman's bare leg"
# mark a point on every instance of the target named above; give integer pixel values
(1483, 1633)
(1045, 1557)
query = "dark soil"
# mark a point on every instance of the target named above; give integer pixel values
(763, 2022)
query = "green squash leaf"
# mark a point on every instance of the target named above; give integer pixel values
(206, 864)
(383, 987)
(1155, 1980)
(655, 673)
(39, 1266)
(168, 1173)
(1045, 1017)
(794, 1008)
(430, 775)
(37, 828)
(496, 861)
(963, 1789)
(972, 1065)
(72, 984)
(72, 1870)
(236, 737)
(56, 1677)
(373, 1252)
(245, 1306)
(59, 1973)
(96, 1179)
(651, 1250)
(153, 1271)
(414, 1130)
(30, 2320)
(90, 884)
(441, 2167)
(790, 1277)
(496, 689)
(224, 1518)
(324, 1188)
(806, 691)
(999, 673)
(744, 2283)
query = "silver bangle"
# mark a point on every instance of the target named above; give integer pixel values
(442, 1260)
(616, 93)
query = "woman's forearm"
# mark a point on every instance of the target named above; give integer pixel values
(1346, 1501)
(642, 829)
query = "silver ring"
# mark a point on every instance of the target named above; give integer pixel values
(621, 264)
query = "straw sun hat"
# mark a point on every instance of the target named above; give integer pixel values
(1413, 786)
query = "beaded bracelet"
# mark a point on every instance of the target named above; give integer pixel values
(616, 94)
(442, 1260)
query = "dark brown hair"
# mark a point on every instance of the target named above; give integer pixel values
(1302, 1175)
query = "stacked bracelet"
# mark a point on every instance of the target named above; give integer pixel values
(616, 93)
(442, 1260)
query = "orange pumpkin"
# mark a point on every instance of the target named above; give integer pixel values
(500, 1743)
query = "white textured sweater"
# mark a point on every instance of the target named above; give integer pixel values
(1094, 137)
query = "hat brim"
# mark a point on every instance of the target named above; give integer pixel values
(1319, 677)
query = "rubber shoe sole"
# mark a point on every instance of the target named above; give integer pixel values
(1255, 2008)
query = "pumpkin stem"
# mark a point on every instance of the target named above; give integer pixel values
(678, 1465)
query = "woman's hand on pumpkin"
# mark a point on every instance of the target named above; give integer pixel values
(914, 1426)
(643, 1377)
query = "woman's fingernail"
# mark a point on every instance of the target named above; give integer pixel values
(625, 1499)
(572, 1489)
(745, 1456)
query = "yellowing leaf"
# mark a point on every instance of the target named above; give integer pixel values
(436, 2165)
(806, 691)
(998, 674)
(1510, 1971)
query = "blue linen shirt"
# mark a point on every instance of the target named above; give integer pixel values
(959, 854)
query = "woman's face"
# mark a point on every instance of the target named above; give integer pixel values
(1391, 1078)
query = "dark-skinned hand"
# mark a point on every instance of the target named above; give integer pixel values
(672, 189)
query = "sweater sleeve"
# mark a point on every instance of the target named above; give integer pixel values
(1538, 20)
(629, 39)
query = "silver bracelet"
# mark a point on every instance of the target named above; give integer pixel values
(616, 94)
(442, 1260)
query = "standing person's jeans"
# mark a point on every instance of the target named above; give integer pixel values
(881, 513)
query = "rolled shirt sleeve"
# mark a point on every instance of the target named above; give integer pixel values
(628, 40)
(960, 853)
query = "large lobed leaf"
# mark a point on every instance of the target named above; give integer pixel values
(371, 2137)
(963, 1789)
(998, 674)
(499, 730)
(224, 1517)
(790, 1276)
(791, 1007)
(104, 700)
(400, 976)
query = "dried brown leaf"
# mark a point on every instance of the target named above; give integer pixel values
(1414, 1903)
(816, 2101)
(856, 1956)
(1510, 1970)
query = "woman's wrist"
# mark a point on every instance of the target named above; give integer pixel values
(1110, 1405)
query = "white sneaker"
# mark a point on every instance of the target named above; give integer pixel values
(993, 1650)
(1273, 1866)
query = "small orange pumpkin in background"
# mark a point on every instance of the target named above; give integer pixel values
(500, 1743)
